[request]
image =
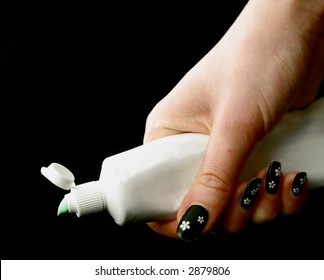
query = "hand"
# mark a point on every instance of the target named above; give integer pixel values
(269, 61)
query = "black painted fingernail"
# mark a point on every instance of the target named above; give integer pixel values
(192, 223)
(298, 183)
(272, 180)
(250, 193)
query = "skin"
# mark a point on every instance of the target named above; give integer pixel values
(271, 60)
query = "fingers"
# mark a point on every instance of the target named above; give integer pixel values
(254, 202)
(250, 202)
(212, 188)
(241, 207)
(166, 228)
(294, 193)
(289, 197)
(268, 205)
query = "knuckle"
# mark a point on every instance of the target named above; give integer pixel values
(215, 183)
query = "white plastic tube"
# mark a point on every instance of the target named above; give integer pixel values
(147, 183)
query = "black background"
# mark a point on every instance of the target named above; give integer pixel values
(78, 80)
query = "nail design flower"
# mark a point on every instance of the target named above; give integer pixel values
(250, 193)
(296, 190)
(246, 201)
(200, 219)
(185, 225)
(272, 184)
(278, 171)
(302, 180)
(254, 191)
(298, 183)
(192, 223)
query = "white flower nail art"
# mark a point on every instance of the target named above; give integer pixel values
(254, 191)
(272, 184)
(302, 180)
(185, 225)
(298, 184)
(246, 201)
(278, 171)
(200, 219)
(296, 190)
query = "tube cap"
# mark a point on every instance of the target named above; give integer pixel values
(84, 200)
(59, 175)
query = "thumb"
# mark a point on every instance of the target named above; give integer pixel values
(227, 150)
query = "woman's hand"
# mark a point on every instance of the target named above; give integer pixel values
(269, 61)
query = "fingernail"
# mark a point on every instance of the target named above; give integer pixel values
(250, 193)
(192, 223)
(298, 183)
(273, 177)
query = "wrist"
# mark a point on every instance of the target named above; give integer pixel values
(300, 20)
(311, 13)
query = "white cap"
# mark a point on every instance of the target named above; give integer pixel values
(59, 175)
(85, 199)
